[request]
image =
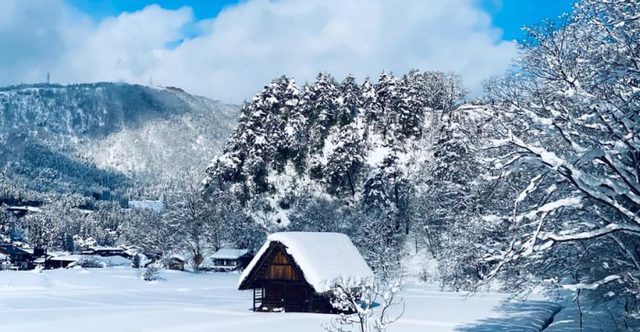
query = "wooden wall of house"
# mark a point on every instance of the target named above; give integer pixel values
(282, 285)
(280, 268)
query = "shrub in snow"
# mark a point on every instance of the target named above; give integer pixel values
(365, 306)
(151, 273)
(90, 262)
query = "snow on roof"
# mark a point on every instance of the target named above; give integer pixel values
(106, 248)
(228, 253)
(156, 206)
(24, 208)
(66, 258)
(14, 250)
(323, 257)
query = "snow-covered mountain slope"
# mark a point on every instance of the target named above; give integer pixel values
(163, 148)
(96, 137)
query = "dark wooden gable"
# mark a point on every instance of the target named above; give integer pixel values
(274, 265)
(280, 267)
(278, 283)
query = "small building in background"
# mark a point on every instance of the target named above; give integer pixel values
(61, 261)
(106, 251)
(228, 259)
(22, 210)
(296, 271)
(175, 262)
(21, 259)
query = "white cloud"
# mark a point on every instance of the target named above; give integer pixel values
(33, 37)
(250, 43)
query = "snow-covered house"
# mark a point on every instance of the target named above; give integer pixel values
(20, 258)
(60, 261)
(106, 251)
(295, 271)
(227, 259)
(175, 262)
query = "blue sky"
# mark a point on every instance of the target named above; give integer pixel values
(511, 15)
(508, 15)
(228, 49)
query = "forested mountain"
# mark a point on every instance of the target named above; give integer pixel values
(98, 139)
(353, 157)
(349, 141)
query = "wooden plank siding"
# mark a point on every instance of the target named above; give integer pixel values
(280, 268)
(278, 283)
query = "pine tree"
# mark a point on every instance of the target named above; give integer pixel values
(345, 162)
(350, 100)
(388, 98)
(410, 114)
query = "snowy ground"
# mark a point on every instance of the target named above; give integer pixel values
(115, 299)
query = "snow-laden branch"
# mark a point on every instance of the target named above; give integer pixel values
(551, 206)
(600, 189)
(611, 228)
(593, 285)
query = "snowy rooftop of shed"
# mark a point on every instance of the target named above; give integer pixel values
(324, 258)
(106, 248)
(66, 258)
(24, 208)
(228, 253)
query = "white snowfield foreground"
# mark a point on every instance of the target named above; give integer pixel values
(115, 299)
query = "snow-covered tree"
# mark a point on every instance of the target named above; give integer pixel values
(366, 306)
(321, 103)
(388, 98)
(344, 164)
(350, 100)
(197, 221)
(571, 121)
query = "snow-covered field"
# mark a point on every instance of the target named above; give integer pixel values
(115, 299)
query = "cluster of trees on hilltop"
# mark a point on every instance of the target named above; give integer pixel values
(335, 155)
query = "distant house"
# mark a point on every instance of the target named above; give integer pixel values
(20, 258)
(20, 211)
(295, 271)
(175, 263)
(227, 259)
(61, 262)
(106, 251)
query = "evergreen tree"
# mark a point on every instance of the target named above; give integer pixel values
(350, 100)
(388, 97)
(345, 163)
(321, 101)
